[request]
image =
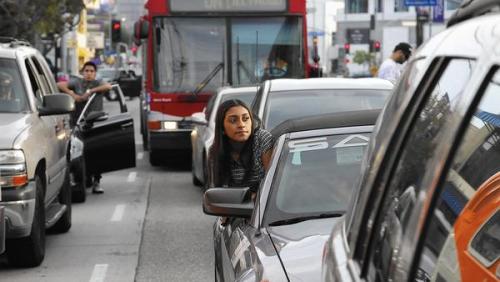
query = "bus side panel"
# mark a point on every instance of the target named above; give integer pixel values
(297, 6)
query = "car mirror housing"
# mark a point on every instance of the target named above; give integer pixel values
(199, 118)
(233, 202)
(56, 104)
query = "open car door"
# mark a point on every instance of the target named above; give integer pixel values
(108, 138)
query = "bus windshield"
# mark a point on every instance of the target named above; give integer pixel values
(192, 50)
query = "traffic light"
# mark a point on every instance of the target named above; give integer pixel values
(376, 46)
(116, 30)
(347, 48)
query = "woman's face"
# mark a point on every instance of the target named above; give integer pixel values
(237, 124)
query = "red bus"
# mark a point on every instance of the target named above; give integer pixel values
(193, 47)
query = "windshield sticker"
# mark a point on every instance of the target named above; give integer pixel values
(352, 141)
(312, 144)
(349, 155)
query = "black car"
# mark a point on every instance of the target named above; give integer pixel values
(101, 142)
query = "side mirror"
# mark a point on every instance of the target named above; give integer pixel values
(141, 29)
(199, 118)
(233, 202)
(56, 104)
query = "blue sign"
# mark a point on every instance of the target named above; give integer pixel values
(316, 33)
(438, 12)
(420, 2)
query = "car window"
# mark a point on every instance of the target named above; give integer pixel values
(42, 79)
(35, 84)
(282, 105)
(379, 143)
(316, 176)
(477, 160)
(425, 145)
(12, 91)
(245, 97)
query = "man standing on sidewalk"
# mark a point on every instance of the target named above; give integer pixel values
(392, 68)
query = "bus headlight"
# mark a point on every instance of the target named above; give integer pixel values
(169, 125)
(12, 168)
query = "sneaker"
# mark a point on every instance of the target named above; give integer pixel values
(97, 189)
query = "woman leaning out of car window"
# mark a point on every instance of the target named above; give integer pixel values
(241, 151)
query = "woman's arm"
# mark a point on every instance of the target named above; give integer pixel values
(266, 159)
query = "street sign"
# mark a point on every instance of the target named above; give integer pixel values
(438, 12)
(358, 35)
(95, 40)
(420, 2)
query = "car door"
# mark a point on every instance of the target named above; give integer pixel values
(233, 255)
(109, 143)
(48, 133)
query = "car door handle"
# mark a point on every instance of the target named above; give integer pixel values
(126, 125)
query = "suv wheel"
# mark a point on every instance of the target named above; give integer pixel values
(64, 223)
(30, 251)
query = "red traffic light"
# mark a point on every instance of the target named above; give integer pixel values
(347, 47)
(376, 45)
(117, 25)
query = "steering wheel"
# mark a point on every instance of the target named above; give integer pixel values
(274, 71)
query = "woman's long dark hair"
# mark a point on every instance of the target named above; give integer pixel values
(220, 152)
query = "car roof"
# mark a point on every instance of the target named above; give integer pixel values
(237, 90)
(12, 48)
(473, 8)
(333, 120)
(329, 83)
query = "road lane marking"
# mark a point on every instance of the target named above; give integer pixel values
(118, 213)
(99, 273)
(131, 176)
(140, 155)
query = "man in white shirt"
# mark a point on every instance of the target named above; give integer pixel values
(392, 67)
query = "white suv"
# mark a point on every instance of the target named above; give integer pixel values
(427, 207)
(34, 146)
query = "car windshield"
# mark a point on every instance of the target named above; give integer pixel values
(316, 176)
(282, 105)
(12, 91)
(190, 52)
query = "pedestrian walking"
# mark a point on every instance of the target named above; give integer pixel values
(392, 67)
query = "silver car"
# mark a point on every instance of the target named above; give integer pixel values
(281, 99)
(34, 152)
(202, 135)
(427, 206)
(315, 165)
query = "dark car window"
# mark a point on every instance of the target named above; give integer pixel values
(476, 161)
(316, 176)
(12, 92)
(284, 105)
(433, 129)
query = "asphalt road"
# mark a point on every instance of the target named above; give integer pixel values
(147, 226)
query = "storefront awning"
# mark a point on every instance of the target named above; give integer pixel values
(490, 118)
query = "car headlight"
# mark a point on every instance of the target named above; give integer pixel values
(12, 168)
(76, 149)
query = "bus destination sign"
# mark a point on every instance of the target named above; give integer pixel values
(198, 6)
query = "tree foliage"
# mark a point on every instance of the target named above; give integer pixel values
(29, 19)
(361, 57)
